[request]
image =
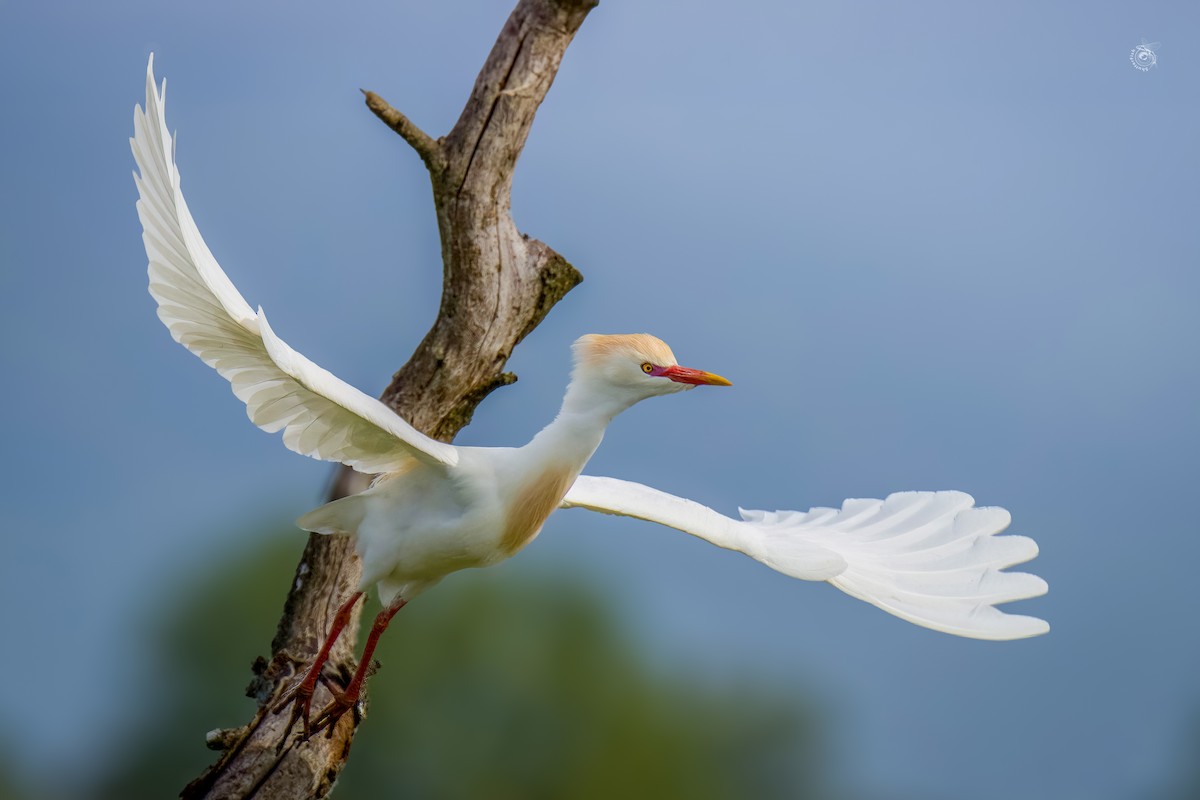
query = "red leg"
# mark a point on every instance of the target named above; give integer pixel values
(344, 701)
(300, 695)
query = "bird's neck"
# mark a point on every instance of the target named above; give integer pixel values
(595, 401)
(579, 427)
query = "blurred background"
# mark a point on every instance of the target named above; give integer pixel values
(935, 246)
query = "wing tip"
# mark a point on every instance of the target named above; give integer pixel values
(1012, 627)
(924, 494)
(1025, 627)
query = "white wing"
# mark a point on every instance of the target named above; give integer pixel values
(931, 558)
(320, 415)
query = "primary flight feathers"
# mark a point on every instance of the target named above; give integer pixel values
(928, 557)
(320, 415)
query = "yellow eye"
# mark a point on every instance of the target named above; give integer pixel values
(647, 368)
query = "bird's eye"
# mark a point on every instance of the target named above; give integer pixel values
(647, 368)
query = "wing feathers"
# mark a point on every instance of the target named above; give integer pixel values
(320, 415)
(931, 558)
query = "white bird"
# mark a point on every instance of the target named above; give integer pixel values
(931, 558)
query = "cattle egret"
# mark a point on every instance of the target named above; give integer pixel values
(931, 558)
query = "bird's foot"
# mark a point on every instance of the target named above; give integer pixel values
(300, 697)
(341, 703)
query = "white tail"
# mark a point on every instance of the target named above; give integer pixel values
(340, 516)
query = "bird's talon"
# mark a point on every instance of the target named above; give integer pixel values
(299, 697)
(327, 720)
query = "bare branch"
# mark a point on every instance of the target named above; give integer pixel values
(498, 285)
(426, 146)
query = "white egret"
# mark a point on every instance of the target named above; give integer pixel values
(931, 558)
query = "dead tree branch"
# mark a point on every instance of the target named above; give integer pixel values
(427, 148)
(498, 285)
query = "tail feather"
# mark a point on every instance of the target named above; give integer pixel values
(340, 516)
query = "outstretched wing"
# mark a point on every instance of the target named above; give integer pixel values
(931, 558)
(320, 415)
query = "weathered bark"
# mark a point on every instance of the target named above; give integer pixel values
(498, 285)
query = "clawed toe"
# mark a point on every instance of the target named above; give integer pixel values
(299, 697)
(337, 708)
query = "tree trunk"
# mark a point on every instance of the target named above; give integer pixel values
(498, 285)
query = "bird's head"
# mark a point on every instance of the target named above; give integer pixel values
(632, 367)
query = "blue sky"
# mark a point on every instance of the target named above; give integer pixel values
(934, 246)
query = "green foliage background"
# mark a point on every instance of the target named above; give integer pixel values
(499, 684)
